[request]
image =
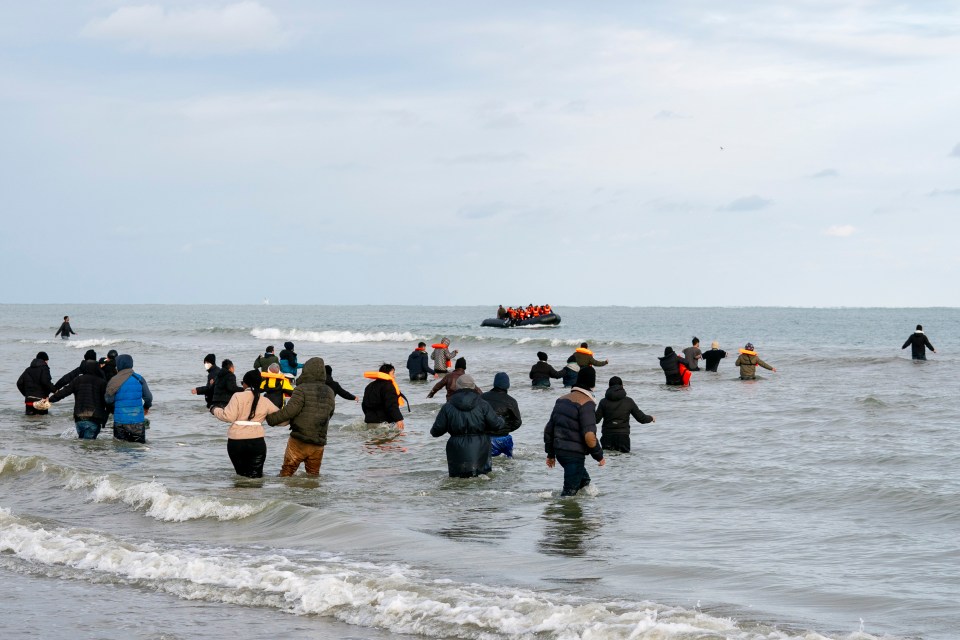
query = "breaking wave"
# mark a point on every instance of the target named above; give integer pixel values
(333, 336)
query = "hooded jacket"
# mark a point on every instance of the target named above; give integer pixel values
(207, 390)
(505, 406)
(128, 393)
(574, 416)
(615, 410)
(381, 403)
(35, 380)
(224, 386)
(65, 330)
(918, 343)
(441, 356)
(748, 365)
(88, 390)
(288, 361)
(670, 363)
(469, 420)
(337, 389)
(449, 381)
(310, 405)
(418, 363)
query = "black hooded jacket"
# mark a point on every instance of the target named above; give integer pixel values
(615, 410)
(505, 406)
(337, 389)
(543, 371)
(35, 381)
(207, 390)
(87, 389)
(68, 377)
(670, 363)
(918, 343)
(469, 420)
(223, 388)
(418, 364)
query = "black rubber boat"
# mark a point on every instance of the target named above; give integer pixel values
(548, 320)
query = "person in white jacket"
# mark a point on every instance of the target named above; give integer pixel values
(246, 412)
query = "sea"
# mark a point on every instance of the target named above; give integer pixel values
(821, 501)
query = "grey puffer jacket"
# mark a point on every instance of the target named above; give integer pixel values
(310, 406)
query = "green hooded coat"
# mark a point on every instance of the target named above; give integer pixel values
(310, 407)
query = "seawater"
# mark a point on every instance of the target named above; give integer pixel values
(818, 502)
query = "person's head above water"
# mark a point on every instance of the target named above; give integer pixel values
(42, 355)
(501, 380)
(586, 378)
(421, 345)
(124, 361)
(748, 346)
(269, 349)
(919, 327)
(90, 355)
(274, 368)
(252, 379)
(466, 382)
(714, 345)
(209, 359)
(615, 381)
(584, 345)
(387, 368)
(667, 351)
(227, 365)
(695, 341)
(112, 354)
(461, 363)
(288, 345)
(66, 318)
(541, 355)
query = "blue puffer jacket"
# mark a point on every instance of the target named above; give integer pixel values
(574, 415)
(128, 392)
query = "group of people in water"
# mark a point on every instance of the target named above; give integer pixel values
(479, 424)
(516, 314)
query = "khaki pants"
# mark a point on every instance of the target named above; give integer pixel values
(311, 455)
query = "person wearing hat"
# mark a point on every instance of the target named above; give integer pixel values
(671, 364)
(246, 412)
(571, 433)
(288, 359)
(918, 343)
(442, 356)
(541, 373)
(614, 412)
(263, 362)
(109, 365)
(418, 364)
(130, 398)
(713, 357)
(748, 360)
(469, 419)
(68, 377)
(213, 371)
(36, 384)
(449, 380)
(89, 406)
(505, 406)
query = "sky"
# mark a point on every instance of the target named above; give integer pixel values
(682, 153)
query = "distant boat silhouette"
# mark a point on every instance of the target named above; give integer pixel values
(266, 301)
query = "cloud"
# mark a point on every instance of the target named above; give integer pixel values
(840, 231)
(747, 203)
(944, 192)
(825, 173)
(956, 151)
(486, 158)
(232, 28)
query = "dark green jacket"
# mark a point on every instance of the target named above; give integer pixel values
(310, 407)
(748, 365)
(263, 362)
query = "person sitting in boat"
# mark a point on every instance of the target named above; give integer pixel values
(541, 372)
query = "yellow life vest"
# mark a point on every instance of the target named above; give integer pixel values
(379, 375)
(748, 353)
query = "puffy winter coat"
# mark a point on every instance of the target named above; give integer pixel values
(310, 406)
(128, 393)
(670, 363)
(207, 390)
(918, 343)
(224, 387)
(68, 377)
(35, 380)
(381, 403)
(263, 362)
(748, 365)
(288, 362)
(615, 410)
(88, 394)
(586, 360)
(574, 416)
(505, 406)
(449, 381)
(469, 420)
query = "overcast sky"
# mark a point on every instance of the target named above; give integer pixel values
(402, 152)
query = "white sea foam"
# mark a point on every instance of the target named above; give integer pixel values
(80, 344)
(161, 504)
(392, 597)
(333, 337)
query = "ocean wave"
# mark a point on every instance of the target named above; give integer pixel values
(333, 336)
(159, 503)
(81, 344)
(386, 596)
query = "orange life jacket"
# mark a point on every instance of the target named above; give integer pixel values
(748, 353)
(586, 351)
(439, 345)
(379, 375)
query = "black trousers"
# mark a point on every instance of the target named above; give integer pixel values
(248, 456)
(615, 442)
